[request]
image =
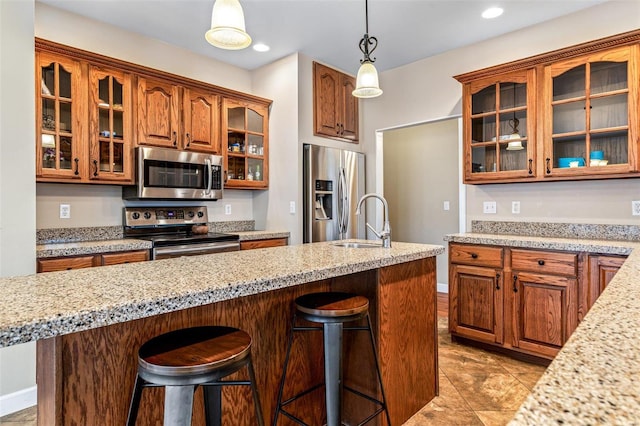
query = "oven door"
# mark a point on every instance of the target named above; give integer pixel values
(171, 174)
(167, 252)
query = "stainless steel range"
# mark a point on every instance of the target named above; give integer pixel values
(171, 230)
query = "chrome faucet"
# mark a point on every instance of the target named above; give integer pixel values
(385, 234)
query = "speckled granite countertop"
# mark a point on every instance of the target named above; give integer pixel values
(44, 305)
(595, 378)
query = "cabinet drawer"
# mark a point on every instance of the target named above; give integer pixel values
(65, 263)
(476, 255)
(545, 262)
(126, 257)
(256, 244)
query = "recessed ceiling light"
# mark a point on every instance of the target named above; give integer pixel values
(492, 12)
(261, 47)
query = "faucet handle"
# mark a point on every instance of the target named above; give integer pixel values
(374, 231)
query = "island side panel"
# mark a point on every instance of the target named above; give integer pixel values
(99, 365)
(407, 329)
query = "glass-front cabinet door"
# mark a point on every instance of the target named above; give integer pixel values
(246, 144)
(110, 135)
(590, 126)
(499, 131)
(58, 121)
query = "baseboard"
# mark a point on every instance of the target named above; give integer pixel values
(443, 288)
(17, 401)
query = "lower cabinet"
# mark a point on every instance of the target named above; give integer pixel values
(79, 262)
(525, 300)
(270, 242)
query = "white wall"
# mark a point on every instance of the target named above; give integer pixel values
(17, 168)
(432, 93)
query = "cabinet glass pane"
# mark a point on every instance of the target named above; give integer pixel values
(118, 157)
(512, 159)
(117, 93)
(235, 142)
(256, 145)
(64, 82)
(65, 117)
(236, 118)
(103, 92)
(608, 76)
(104, 156)
(609, 111)
(513, 95)
(614, 146)
(48, 114)
(569, 117)
(255, 121)
(48, 151)
(569, 149)
(483, 129)
(236, 168)
(571, 84)
(65, 152)
(48, 86)
(118, 125)
(513, 125)
(105, 128)
(484, 101)
(483, 159)
(255, 169)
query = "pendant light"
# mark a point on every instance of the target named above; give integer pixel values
(227, 26)
(367, 85)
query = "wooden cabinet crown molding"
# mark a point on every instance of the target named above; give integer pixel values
(623, 39)
(96, 59)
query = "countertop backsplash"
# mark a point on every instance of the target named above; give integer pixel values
(559, 230)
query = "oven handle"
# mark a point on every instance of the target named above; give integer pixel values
(204, 248)
(207, 163)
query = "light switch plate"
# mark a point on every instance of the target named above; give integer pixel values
(489, 207)
(65, 211)
(227, 209)
(515, 207)
(445, 205)
(635, 208)
(292, 207)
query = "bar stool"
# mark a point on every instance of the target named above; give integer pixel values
(184, 359)
(332, 310)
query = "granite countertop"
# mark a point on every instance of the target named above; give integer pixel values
(45, 305)
(595, 378)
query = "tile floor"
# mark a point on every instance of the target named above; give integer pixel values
(476, 387)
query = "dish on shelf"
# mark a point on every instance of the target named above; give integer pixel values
(596, 162)
(564, 162)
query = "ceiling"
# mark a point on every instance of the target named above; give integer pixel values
(327, 30)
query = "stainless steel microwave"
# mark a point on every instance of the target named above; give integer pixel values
(168, 174)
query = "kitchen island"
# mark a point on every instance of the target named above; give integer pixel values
(89, 324)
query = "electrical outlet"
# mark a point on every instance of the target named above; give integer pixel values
(489, 207)
(227, 209)
(292, 207)
(635, 208)
(515, 207)
(65, 211)
(445, 205)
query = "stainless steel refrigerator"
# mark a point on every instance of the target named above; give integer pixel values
(333, 184)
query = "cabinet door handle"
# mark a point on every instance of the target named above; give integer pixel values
(175, 139)
(188, 140)
(474, 255)
(342, 129)
(225, 176)
(95, 168)
(541, 262)
(548, 165)
(497, 281)
(338, 128)
(515, 282)
(530, 166)
(77, 172)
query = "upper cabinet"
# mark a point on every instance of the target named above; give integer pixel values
(335, 108)
(565, 115)
(246, 140)
(92, 111)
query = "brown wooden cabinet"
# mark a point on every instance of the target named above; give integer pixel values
(88, 261)
(245, 135)
(574, 111)
(269, 242)
(335, 108)
(602, 269)
(201, 121)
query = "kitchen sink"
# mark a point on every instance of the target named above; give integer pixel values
(351, 244)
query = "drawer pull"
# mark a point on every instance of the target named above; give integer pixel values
(515, 281)
(497, 281)
(541, 262)
(474, 255)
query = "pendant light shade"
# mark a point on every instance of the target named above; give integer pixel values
(227, 26)
(367, 85)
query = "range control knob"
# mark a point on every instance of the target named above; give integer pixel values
(200, 214)
(135, 215)
(147, 215)
(191, 214)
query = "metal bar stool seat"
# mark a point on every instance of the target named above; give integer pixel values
(332, 310)
(184, 359)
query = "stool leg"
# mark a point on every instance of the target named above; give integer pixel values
(178, 405)
(135, 401)
(375, 358)
(284, 372)
(254, 391)
(213, 405)
(333, 371)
